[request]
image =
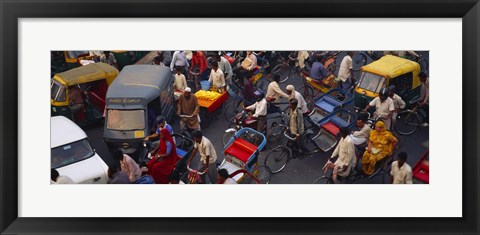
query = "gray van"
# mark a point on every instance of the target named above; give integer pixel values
(134, 99)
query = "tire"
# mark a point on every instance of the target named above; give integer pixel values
(407, 122)
(226, 137)
(323, 180)
(230, 111)
(283, 70)
(275, 135)
(277, 159)
(423, 65)
(359, 60)
(263, 174)
(308, 93)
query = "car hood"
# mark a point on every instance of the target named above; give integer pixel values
(85, 171)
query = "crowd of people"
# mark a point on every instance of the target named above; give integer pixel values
(373, 145)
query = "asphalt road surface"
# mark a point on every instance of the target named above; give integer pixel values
(297, 171)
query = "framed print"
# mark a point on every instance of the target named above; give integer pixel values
(35, 33)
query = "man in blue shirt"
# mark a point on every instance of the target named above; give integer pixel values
(161, 123)
(318, 71)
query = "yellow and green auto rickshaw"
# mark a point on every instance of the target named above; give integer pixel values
(79, 93)
(388, 70)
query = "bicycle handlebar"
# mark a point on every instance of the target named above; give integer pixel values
(192, 170)
(186, 116)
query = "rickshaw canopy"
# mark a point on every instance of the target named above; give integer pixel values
(138, 82)
(87, 73)
(390, 67)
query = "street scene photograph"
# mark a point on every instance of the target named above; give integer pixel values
(239, 117)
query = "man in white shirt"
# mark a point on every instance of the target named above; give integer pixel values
(180, 83)
(361, 136)
(179, 59)
(301, 57)
(260, 108)
(217, 79)
(401, 172)
(345, 152)
(293, 94)
(225, 66)
(345, 73)
(384, 107)
(273, 91)
(208, 155)
(398, 103)
(109, 58)
(250, 62)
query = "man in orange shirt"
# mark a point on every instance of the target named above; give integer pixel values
(198, 58)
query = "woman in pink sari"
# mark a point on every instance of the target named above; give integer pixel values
(164, 158)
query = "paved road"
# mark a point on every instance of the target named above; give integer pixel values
(303, 171)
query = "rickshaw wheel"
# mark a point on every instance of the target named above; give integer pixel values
(307, 92)
(277, 159)
(323, 180)
(283, 70)
(263, 174)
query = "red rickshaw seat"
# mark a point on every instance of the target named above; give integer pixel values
(331, 128)
(422, 173)
(241, 149)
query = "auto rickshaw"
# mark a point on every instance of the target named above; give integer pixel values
(138, 95)
(388, 70)
(125, 58)
(79, 93)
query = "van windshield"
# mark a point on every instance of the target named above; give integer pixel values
(371, 82)
(71, 153)
(57, 91)
(125, 120)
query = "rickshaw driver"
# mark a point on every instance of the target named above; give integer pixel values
(188, 105)
(76, 99)
(384, 107)
(260, 108)
(161, 123)
(208, 155)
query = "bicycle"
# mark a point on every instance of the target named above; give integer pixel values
(285, 67)
(409, 120)
(279, 156)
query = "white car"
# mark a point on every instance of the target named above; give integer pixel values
(72, 155)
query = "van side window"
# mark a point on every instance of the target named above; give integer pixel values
(154, 110)
(403, 83)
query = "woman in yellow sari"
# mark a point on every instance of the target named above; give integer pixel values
(381, 144)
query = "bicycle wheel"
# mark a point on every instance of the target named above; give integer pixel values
(274, 135)
(423, 65)
(263, 174)
(407, 122)
(226, 137)
(283, 70)
(323, 180)
(308, 93)
(277, 159)
(230, 111)
(359, 60)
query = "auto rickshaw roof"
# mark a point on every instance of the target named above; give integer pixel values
(87, 73)
(140, 81)
(390, 66)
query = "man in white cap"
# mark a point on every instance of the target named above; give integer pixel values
(188, 105)
(293, 94)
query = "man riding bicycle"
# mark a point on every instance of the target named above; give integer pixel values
(384, 107)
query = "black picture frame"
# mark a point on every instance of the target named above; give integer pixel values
(11, 11)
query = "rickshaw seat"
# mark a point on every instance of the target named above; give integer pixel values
(422, 173)
(181, 153)
(331, 128)
(241, 149)
(328, 103)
